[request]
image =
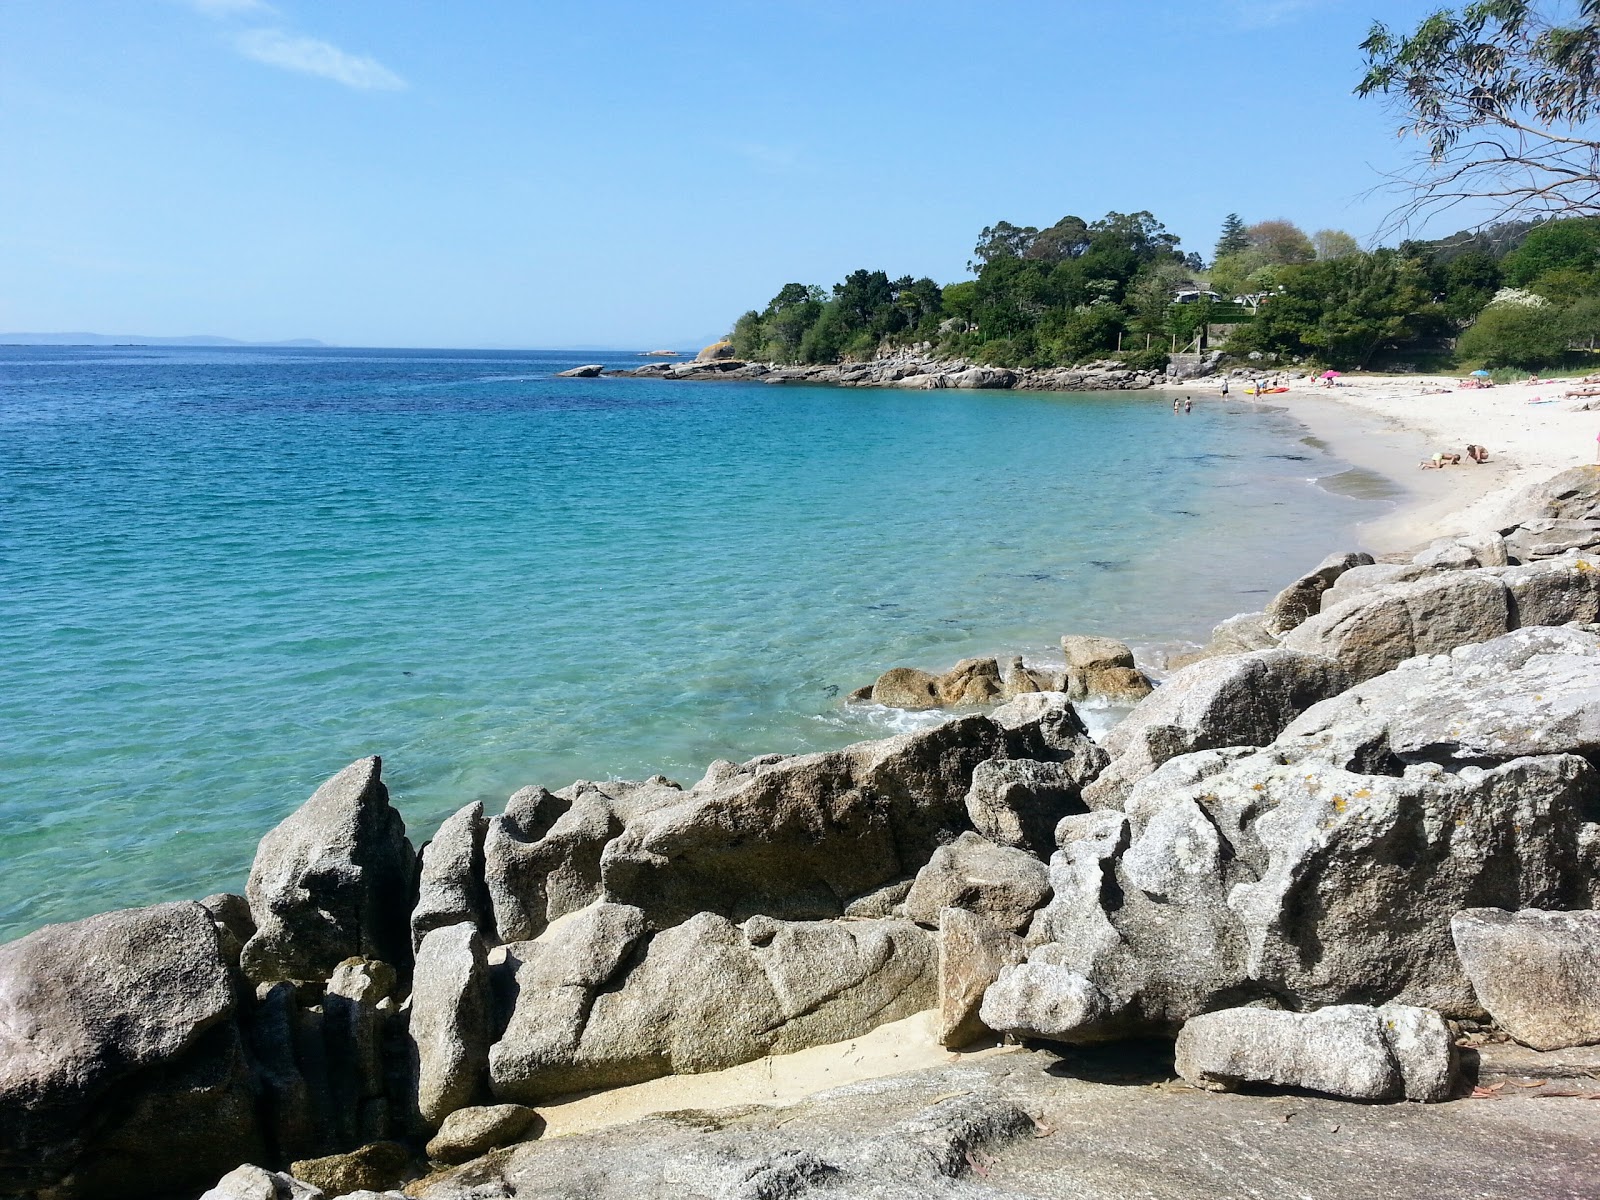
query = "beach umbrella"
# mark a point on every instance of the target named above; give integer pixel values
(1483, 373)
(1331, 374)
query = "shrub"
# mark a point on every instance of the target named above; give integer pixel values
(1515, 335)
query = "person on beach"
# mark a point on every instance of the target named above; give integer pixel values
(1224, 387)
(1188, 405)
(1175, 403)
(1478, 454)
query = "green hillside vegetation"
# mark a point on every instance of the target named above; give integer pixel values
(1517, 295)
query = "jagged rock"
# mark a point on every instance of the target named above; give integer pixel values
(1553, 592)
(1537, 973)
(1046, 727)
(450, 885)
(1237, 877)
(121, 1071)
(1349, 1050)
(972, 953)
(799, 837)
(362, 980)
(1303, 597)
(1534, 691)
(1572, 495)
(469, 1132)
(1004, 884)
(332, 881)
(1550, 538)
(1341, 850)
(709, 994)
(449, 1025)
(587, 371)
(1375, 631)
(1236, 700)
(375, 1167)
(1088, 653)
(254, 1183)
(1018, 801)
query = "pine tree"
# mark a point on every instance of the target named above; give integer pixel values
(1234, 239)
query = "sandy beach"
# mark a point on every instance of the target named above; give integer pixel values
(1386, 425)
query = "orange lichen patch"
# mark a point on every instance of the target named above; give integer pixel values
(1340, 803)
(1364, 794)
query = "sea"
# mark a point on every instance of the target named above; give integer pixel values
(227, 572)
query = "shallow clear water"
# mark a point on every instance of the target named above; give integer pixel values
(226, 573)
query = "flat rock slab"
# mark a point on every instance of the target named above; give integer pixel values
(1098, 1126)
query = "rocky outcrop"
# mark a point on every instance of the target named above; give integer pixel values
(1103, 667)
(1235, 700)
(587, 371)
(1303, 598)
(255, 1183)
(704, 995)
(1537, 973)
(1353, 1051)
(716, 351)
(1373, 632)
(122, 1071)
(371, 1168)
(798, 838)
(1004, 884)
(1549, 537)
(970, 681)
(333, 881)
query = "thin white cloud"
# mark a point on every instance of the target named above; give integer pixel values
(232, 8)
(1258, 14)
(312, 56)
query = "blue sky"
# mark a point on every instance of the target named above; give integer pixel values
(630, 174)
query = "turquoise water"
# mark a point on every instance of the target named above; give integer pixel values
(226, 573)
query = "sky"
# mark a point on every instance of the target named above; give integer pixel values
(631, 173)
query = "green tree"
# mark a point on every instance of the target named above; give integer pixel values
(1467, 283)
(1067, 238)
(748, 337)
(1000, 240)
(1516, 335)
(1583, 320)
(1568, 245)
(1341, 311)
(1234, 240)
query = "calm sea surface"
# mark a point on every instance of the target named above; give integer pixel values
(226, 573)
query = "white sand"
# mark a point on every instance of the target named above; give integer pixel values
(907, 1045)
(1385, 424)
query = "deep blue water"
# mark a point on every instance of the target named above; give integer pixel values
(226, 573)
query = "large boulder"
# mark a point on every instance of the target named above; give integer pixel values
(1303, 598)
(1537, 973)
(1554, 591)
(450, 886)
(1003, 883)
(1375, 631)
(704, 995)
(469, 1132)
(970, 681)
(1234, 700)
(1546, 537)
(449, 1028)
(799, 838)
(1531, 692)
(331, 882)
(256, 1183)
(121, 1069)
(1350, 1050)
(1573, 494)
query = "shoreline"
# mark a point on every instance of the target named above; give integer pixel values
(1386, 425)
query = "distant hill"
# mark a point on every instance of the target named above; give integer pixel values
(135, 339)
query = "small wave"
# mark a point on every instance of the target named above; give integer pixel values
(878, 719)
